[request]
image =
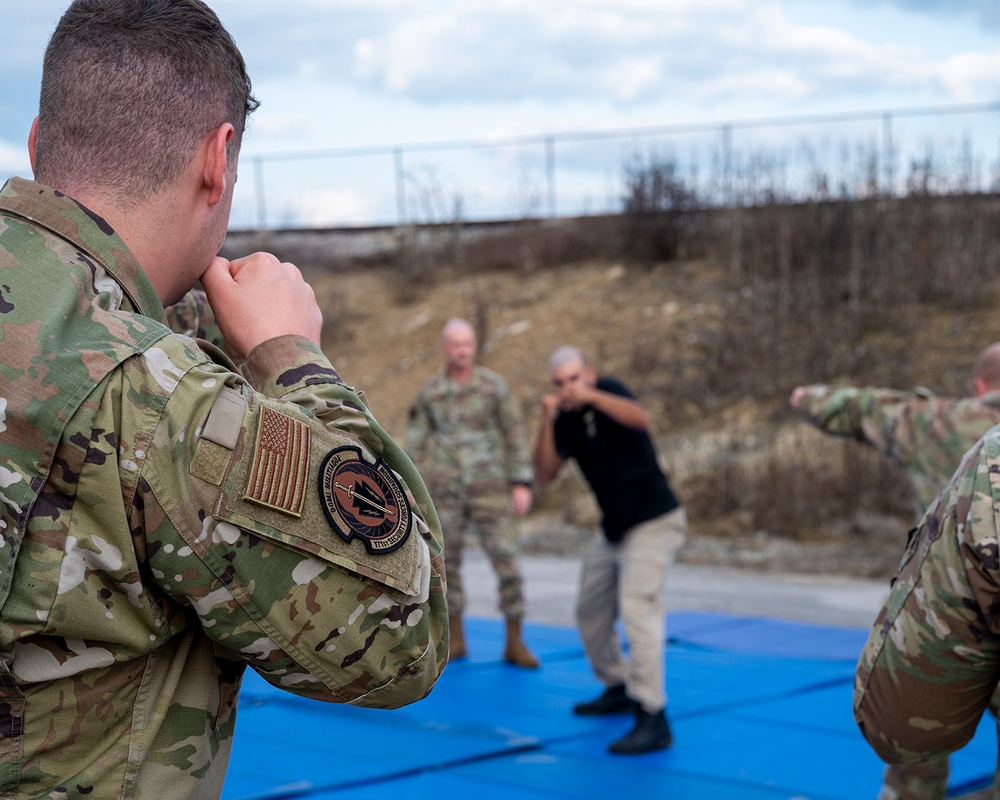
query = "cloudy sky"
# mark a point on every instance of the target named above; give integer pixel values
(360, 73)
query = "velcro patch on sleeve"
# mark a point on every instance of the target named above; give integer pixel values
(225, 421)
(364, 501)
(280, 463)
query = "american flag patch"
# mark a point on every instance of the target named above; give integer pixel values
(280, 463)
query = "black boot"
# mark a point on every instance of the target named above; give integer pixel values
(651, 732)
(613, 701)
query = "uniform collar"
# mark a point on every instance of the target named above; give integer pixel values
(70, 220)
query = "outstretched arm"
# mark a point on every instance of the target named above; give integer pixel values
(881, 418)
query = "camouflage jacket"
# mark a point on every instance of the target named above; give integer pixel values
(932, 660)
(167, 520)
(469, 437)
(926, 435)
(193, 316)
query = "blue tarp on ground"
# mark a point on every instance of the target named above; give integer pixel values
(760, 709)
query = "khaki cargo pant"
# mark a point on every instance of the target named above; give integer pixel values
(627, 580)
(490, 517)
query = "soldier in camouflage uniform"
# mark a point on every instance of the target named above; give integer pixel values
(928, 436)
(931, 665)
(466, 432)
(167, 518)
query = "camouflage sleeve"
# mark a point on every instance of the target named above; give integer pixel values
(885, 419)
(932, 660)
(193, 316)
(517, 459)
(418, 428)
(294, 527)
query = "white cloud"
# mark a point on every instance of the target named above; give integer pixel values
(323, 207)
(356, 73)
(624, 52)
(967, 77)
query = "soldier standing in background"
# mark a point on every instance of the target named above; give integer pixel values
(166, 517)
(467, 432)
(928, 436)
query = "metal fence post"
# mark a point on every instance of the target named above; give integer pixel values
(261, 199)
(400, 186)
(550, 171)
(727, 165)
(887, 156)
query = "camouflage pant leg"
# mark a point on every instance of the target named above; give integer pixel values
(925, 780)
(491, 514)
(995, 710)
(451, 511)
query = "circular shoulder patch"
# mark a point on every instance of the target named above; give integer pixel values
(364, 501)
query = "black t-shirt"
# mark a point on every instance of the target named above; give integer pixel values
(618, 462)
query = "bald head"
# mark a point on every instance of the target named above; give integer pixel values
(986, 370)
(456, 326)
(458, 344)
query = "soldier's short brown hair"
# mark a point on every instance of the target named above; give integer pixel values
(129, 90)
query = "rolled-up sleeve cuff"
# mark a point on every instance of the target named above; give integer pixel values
(286, 363)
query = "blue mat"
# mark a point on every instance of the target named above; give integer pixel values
(760, 709)
(766, 636)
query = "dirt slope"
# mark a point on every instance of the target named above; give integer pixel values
(647, 326)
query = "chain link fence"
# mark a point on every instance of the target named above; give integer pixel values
(942, 150)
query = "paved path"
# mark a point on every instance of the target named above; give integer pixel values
(551, 584)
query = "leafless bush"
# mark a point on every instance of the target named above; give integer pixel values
(835, 286)
(435, 242)
(811, 488)
(657, 198)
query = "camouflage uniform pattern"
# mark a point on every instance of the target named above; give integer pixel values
(932, 661)
(137, 580)
(470, 442)
(926, 435)
(193, 316)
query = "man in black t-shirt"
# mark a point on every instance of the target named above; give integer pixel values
(597, 422)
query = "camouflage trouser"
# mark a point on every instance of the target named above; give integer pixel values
(491, 517)
(925, 780)
(928, 780)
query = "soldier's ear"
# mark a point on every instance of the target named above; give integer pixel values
(216, 162)
(32, 139)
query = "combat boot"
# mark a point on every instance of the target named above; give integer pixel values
(516, 651)
(613, 701)
(651, 732)
(456, 635)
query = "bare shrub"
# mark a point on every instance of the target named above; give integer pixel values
(657, 197)
(423, 248)
(806, 487)
(823, 290)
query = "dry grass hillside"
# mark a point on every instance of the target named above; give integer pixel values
(712, 341)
